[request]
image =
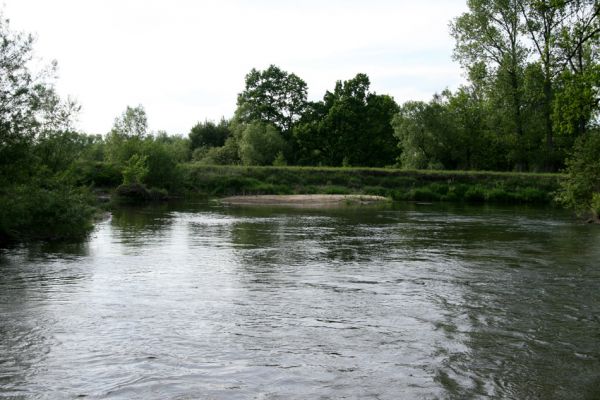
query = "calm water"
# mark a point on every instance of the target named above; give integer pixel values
(410, 301)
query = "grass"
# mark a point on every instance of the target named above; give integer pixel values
(455, 186)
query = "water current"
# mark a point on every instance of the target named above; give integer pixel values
(399, 302)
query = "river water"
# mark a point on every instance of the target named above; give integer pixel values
(400, 302)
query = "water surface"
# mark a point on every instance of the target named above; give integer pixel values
(408, 301)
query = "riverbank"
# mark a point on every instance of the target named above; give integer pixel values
(454, 186)
(304, 200)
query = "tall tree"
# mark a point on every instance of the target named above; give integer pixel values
(351, 126)
(208, 134)
(37, 199)
(29, 105)
(560, 32)
(132, 123)
(272, 96)
(577, 97)
(490, 34)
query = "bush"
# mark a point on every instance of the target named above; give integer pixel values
(133, 192)
(163, 171)
(582, 184)
(95, 173)
(475, 194)
(499, 195)
(423, 194)
(531, 196)
(35, 211)
(135, 170)
(260, 143)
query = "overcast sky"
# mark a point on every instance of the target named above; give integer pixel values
(185, 60)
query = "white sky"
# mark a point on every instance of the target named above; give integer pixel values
(185, 60)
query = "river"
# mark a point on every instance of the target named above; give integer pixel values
(405, 301)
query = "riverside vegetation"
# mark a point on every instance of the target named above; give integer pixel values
(529, 112)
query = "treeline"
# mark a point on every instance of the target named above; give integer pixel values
(274, 124)
(533, 77)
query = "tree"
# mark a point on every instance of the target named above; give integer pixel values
(351, 126)
(576, 96)
(540, 58)
(132, 123)
(560, 31)
(415, 127)
(490, 35)
(260, 144)
(127, 135)
(208, 134)
(581, 189)
(29, 105)
(35, 199)
(272, 96)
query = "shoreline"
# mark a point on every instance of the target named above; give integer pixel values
(304, 200)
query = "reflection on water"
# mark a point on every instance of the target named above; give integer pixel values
(406, 301)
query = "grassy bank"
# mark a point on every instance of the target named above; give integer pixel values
(467, 186)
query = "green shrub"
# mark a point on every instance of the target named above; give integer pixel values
(47, 212)
(475, 194)
(531, 196)
(582, 183)
(260, 143)
(134, 192)
(376, 191)
(499, 195)
(332, 189)
(96, 173)
(135, 170)
(424, 194)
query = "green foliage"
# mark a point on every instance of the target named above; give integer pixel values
(209, 134)
(534, 65)
(163, 170)
(96, 173)
(280, 160)
(576, 100)
(58, 150)
(29, 106)
(133, 123)
(38, 150)
(397, 184)
(350, 124)
(260, 143)
(135, 169)
(48, 211)
(132, 193)
(580, 189)
(177, 146)
(118, 148)
(272, 96)
(413, 128)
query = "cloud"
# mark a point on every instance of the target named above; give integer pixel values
(186, 60)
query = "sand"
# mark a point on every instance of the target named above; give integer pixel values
(304, 200)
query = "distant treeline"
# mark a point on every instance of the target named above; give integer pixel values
(532, 103)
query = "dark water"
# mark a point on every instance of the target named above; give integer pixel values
(412, 302)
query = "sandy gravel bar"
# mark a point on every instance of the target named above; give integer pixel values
(304, 200)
